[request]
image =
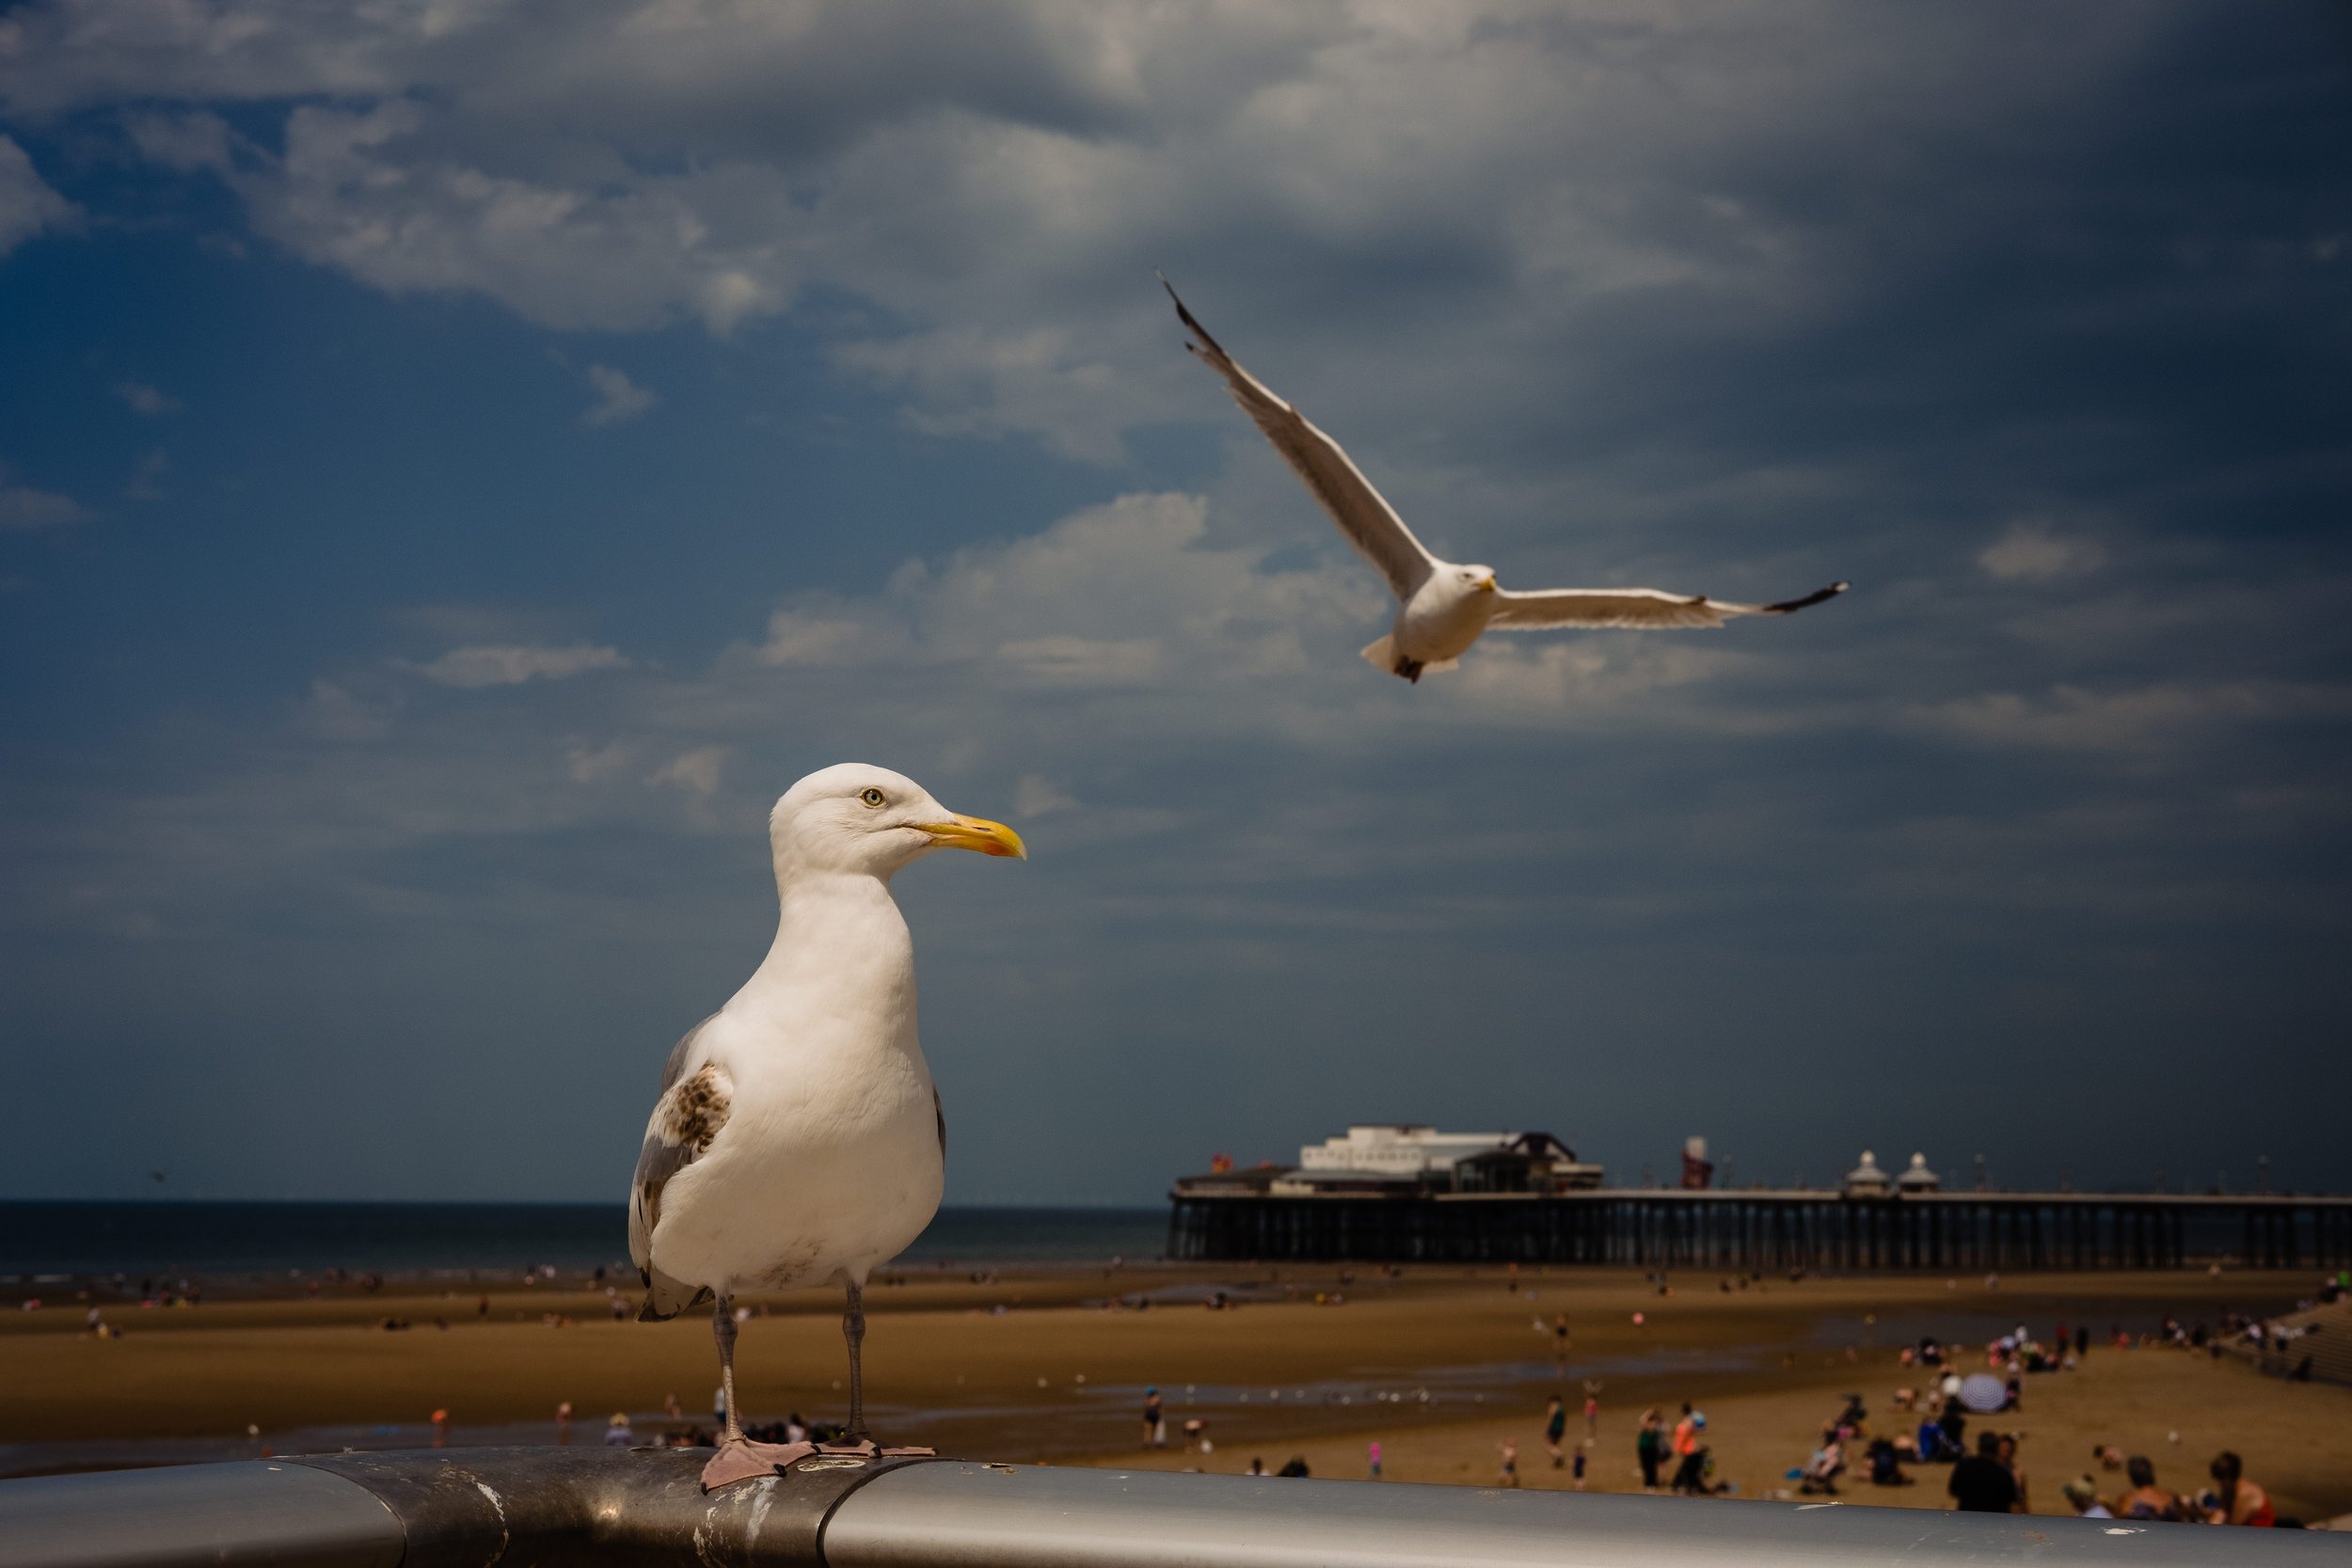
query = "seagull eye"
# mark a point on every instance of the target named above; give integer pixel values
(871, 796)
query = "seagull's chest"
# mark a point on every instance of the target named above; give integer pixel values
(830, 1163)
(1438, 623)
(823, 1098)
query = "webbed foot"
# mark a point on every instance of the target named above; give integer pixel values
(744, 1460)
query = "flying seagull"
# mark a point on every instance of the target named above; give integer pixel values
(798, 1139)
(1442, 607)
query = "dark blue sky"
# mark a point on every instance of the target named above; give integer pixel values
(463, 461)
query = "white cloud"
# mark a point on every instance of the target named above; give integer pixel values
(375, 193)
(24, 509)
(1134, 592)
(2173, 717)
(471, 668)
(801, 636)
(1084, 660)
(1136, 624)
(186, 142)
(1001, 192)
(2029, 551)
(27, 205)
(618, 398)
(967, 381)
(146, 482)
(333, 713)
(144, 399)
(591, 763)
(1033, 797)
(696, 771)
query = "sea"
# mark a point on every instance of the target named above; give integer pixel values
(222, 1243)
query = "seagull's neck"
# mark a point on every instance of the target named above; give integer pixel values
(842, 930)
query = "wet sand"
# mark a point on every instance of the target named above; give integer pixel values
(1440, 1365)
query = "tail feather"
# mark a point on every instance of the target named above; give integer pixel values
(1380, 652)
(665, 1298)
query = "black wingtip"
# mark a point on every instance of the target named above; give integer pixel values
(1186, 316)
(1789, 607)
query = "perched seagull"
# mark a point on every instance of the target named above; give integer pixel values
(1442, 607)
(798, 1139)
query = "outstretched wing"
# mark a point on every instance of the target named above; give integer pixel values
(695, 1099)
(1370, 523)
(1631, 607)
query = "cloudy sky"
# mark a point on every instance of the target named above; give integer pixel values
(460, 460)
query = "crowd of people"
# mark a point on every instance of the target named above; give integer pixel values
(2231, 1498)
(1655, 1443)
(1985, 1476)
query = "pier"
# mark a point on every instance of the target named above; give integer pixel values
(1231, 1217)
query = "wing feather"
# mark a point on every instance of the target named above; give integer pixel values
(1367, 520)
(1631, 607)
(696, 1096)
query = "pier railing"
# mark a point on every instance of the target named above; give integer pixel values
(570, 1508)
(1742, 1229)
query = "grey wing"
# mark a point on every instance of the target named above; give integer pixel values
(1367, 520)
(1631, 607)
(691, 1110)
(674, 1067)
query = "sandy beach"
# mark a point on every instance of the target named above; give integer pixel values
(1439, 1366)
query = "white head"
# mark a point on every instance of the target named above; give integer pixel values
(855, 818)
(1472, 578)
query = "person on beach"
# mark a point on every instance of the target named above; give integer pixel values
(2082, 1494)
(2146, 1499)
(563, 1423)
(1592, 1410)
(1154, 1419)
(1690, 1474)
(616, 1433)
(1555, 1427)
(1560, 1338)
(1257, 1468)
(1579, 1470)
(1981, 1484)
(2006, 1451)
(1373, 1455)
(1820, 1473)
(1510, 1452)
(1649, 1447)
(2240, 1501)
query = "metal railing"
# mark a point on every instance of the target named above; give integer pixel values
(570, 1507)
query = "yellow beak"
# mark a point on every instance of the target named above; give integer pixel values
(976, 833)
(1486, 583)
